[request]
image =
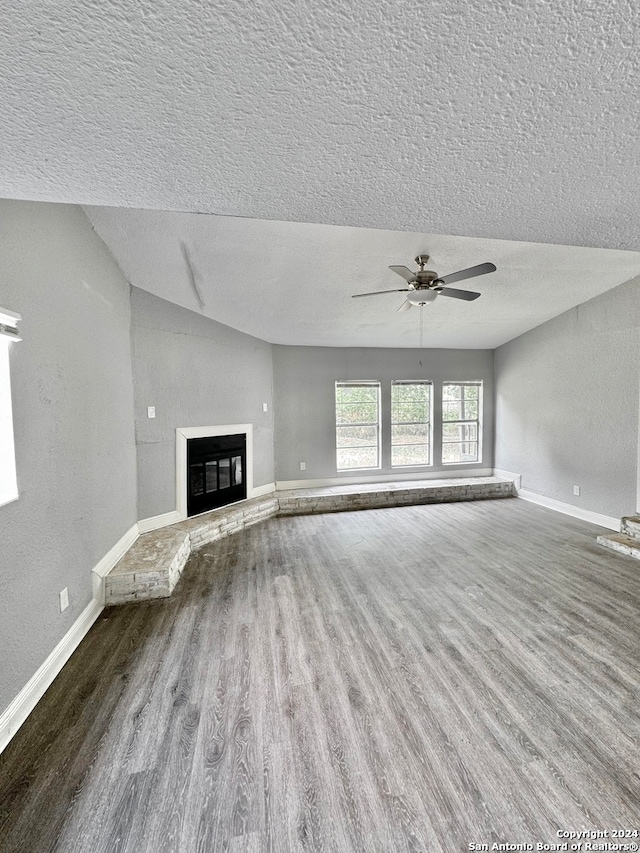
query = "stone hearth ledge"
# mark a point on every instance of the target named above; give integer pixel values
(152, 566)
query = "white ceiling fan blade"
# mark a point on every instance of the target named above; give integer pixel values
(406, 273)
(405, 306)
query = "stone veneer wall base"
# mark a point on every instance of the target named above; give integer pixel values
(152, 567)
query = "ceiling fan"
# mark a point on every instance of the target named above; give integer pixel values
(426, 285)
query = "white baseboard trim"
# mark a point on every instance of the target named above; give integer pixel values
(14, 716)
(508, 475)
(261, 491)
(155, 522)
(569, 509)
(104, 566)
(459, 473)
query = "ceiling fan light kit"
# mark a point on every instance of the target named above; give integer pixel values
(426, 285)
(422, 297)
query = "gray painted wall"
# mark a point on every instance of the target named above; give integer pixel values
(73, 420)
(304, 399)
(196, 372)
(567, 404)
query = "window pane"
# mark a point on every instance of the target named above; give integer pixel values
(357, 436)
(470, 410)
(460, 452)
(451, 410)
(416, 392)
(450, 432)
(409, 412)
(451, 392)
(357, 413)
(451, 453)
(459, 432)
(461, 403)
(410, 423)
(357, 393)
(410, 434)
(359, 457)
(8, 482)
(357, 426)
(410, 455)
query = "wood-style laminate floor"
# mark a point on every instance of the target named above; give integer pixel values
(412, 679)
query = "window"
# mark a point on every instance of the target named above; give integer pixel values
(461, 413)
(410, 423)
(8, 481)
(357, 425)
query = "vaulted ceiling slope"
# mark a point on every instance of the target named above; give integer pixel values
(501, 119)
(292, 283)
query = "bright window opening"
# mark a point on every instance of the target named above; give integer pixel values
(8, 481)
(461, 420)
(357, 425)
(410, 423)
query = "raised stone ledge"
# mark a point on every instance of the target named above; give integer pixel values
(152, 566)
(380, 495)
(622, 543)
(630, 525)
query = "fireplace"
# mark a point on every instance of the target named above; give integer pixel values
(184, 435)
(216, 471)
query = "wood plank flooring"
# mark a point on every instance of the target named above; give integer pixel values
(411, 679)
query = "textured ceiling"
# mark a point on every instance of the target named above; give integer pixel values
(490, 118)
(505, 120)
(291, 283)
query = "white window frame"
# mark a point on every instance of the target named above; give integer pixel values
(478, 421)
(357, 384)
(8, 475)
(428, 423)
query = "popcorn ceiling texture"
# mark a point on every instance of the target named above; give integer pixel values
(508, 120)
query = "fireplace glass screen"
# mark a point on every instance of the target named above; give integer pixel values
(215, 468)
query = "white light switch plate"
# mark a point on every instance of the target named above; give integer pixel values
(151, 411)
(64, 599)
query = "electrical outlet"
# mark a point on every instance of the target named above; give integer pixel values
(576, 490)
(151, 411)
(64, 599)
(303, 466)
(265, 407)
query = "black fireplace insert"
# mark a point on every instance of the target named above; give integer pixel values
(215, 472)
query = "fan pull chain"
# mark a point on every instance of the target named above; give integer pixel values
(421, 325)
